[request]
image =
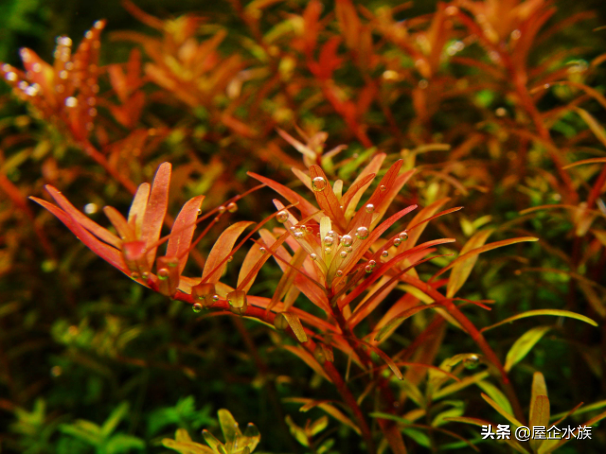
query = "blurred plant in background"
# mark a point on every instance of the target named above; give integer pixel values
(354, 115)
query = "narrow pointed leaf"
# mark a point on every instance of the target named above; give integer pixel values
(119, 222)
(216, 263)
(523, 345)
(136, 214)
(508, 416)
(533, 313)
(183, 231)
(306, 208)
(327, 200)
(461, 271)
(103, 250)
(156, 210)
(81, 219)
(488, 247)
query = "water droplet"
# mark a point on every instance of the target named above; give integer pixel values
(330, 233)
(199, 211)
(56, 371)
(313, 256)
(383, 187)
(71, 102)
(516, 34)
(546, 86)
(69, 66)
(98, 24)
(328, 240)
(368, 269)
(262, 250)
(362, 233)
(348, 248)
(203, 293)
(163, 274)
(282, 216)
(346, 240)
(232, 207)
(63, 75)
(88, 35)
(397, 242)
(339, 273)
(36, 67)
(22, 85)
(197, 307)
(215, 298)
(369, 208)
(134, 275)
(318, 184)
(327, 250)
(343, 254)
(237, 301)
(221, 209)
(144, 275)
(372, 263)
(500, 112)
(403, 235)
(11, 76)
(384, 254)
(230, 258)
(298, 234)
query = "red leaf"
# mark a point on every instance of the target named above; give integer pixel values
(217, 259)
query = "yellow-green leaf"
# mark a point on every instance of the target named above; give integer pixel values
(523, 345)
(461, 271)
(554, 312)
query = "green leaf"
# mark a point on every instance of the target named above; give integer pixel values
(554, 312)
(114, 419)
(123, 443)
(523, 345)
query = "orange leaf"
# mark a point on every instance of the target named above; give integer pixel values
(156, 210)
(183, 231)
(217, 259)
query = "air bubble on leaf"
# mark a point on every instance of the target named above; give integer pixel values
(471, 362)
(237, 301)
(368, 269)
(343, 254)
(232, 207)
(203, 293)
(369, 208)
(339, 273)
(403, 235)
(163, 274)
(328, 240)
(71, 102)
(372, 263)
(262, 250)
(384, 254)
(383, 187)
(397, 242)
(328, 250)
(215, 298)
(362, 233)
(346, 240)
(282, 216)
(197, 307)
(298, 234)
(221, 209)
(313, 256)
(318, 184)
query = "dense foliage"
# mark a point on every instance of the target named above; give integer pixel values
(359, 227)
